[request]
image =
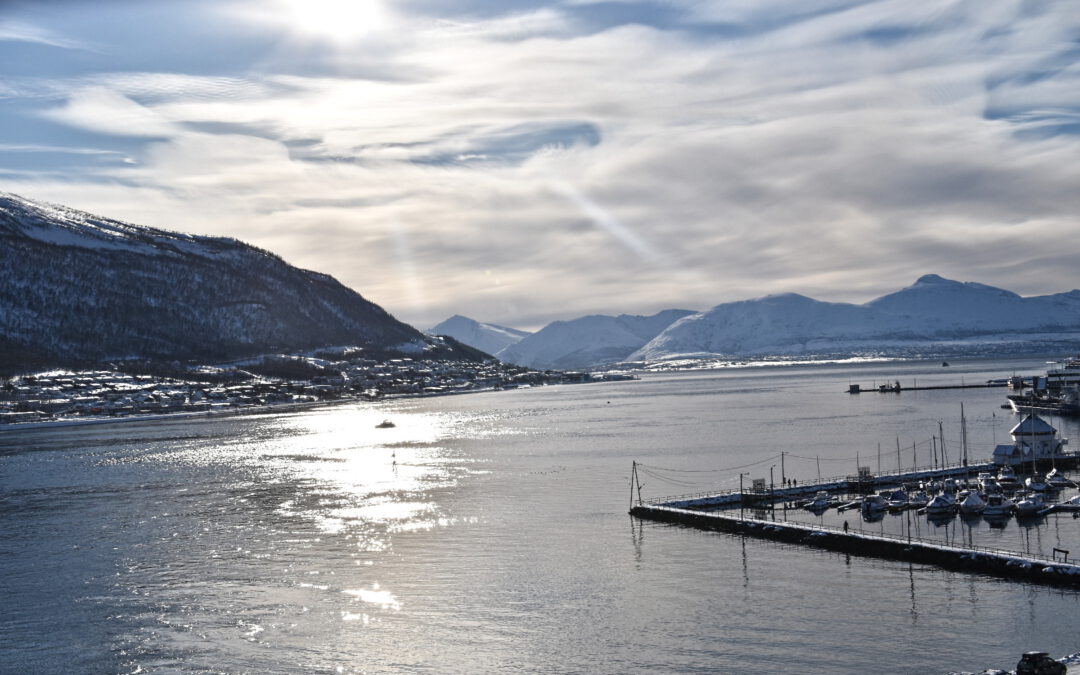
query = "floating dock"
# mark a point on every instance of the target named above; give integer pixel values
(1055, 572)
(716, 511)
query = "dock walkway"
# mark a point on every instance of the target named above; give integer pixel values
(975, 559)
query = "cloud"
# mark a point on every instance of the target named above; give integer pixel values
(546, 162)
(105, 111)
(16, 31)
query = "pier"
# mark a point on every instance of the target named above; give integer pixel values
(1052, 571)
(719, 511)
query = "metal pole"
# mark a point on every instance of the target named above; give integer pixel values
(742, 496)
(783, 479)
(633, 475)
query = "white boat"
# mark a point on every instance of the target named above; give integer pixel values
(1057, 480)
(973, 503)
(998, 505)
(988, 483)
(1036, 484)
(1030, 506)
(821, 501)
(941, 504)
(1007, 479)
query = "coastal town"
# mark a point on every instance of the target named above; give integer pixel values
(63, 396)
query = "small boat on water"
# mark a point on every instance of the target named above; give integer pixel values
(385, 424)
(1007, 479)
(988, 483)
(941, 504)
(918, 499)
(1036, 484)
(972, 503)
(998, 505)
(1030, 506)
(822, 500)
(874, 504)
(1057, 480)
(897, 499)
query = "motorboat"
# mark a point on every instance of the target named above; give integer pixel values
(1030, 505)
(918, 499)
(1057, 480)
(998, 505)
(897, 499)
(822, 500)
(1036, 484)
(941, 504)
(988, 483)
(385, 424)
(873, 503)
(950, 486)
(973, 503)
(1007, 479)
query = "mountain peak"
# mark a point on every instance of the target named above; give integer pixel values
(933, 279)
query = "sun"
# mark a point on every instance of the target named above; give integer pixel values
(336, 20)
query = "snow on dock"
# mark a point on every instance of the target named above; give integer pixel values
(974, 559)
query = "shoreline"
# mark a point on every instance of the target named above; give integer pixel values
(156, 417)
(196, 414)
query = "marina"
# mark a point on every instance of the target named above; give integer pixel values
(990, 490)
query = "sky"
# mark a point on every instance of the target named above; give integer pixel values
(525, 161)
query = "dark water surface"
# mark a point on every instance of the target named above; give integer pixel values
(488, 533)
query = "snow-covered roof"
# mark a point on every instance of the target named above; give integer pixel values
(1032, 425)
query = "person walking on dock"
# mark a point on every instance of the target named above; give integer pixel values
(845, 527)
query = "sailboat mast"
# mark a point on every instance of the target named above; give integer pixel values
(963, 432)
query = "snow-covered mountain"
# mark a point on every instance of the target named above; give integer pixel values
(933, 310)
(487, 337)
(589, 341)
(78, 289)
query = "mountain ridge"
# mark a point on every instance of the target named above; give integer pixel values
(933, 309)
(79, 289)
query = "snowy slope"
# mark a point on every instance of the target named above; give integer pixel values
(589, 341)
(933, 309)
(78, 289)
(486, 337)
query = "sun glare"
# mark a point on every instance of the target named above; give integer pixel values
(338, 20)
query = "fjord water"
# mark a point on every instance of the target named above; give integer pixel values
(489, 533)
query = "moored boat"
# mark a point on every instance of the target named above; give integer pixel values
(972, 503)
(941, 504)
(873, 504)
(1036, 484)
(1007, 479)
(1057, 480)
(998, 505)
(1029, 506)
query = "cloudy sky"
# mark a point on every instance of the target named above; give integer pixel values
(522, 161)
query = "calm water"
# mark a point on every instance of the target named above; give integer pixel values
(488, 533)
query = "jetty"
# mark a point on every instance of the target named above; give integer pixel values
(1055, 571)
(720, 511)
